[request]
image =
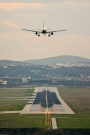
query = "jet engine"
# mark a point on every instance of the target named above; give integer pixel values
(36, 33)
(51, 33)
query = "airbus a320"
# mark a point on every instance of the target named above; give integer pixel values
(44, 31)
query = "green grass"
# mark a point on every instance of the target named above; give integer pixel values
(15, 92)
(12, 106)
(71, 121)
(77, 98)
(79, 101)
(74, 121)
(10, 103)
(9, 98)
(21, 121)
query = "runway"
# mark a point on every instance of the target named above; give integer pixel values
(38, 105)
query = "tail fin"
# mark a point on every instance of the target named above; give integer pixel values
(43, 24)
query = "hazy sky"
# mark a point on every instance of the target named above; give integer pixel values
(73, 15)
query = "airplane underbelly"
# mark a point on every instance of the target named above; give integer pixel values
(44, 31)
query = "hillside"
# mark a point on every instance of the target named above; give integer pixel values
(11, 63)
(59, 59)
(51, 60)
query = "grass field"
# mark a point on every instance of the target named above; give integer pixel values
(77, 98)
(13, 99)
(21, 121)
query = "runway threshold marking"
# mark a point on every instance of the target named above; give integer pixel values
(55, 110)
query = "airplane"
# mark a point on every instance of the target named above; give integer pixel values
(44, 31)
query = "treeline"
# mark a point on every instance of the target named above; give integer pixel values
(39, 131)
(19, 82)
(42, 71)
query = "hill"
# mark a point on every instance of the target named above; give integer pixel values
(46, 61)
(59, 59)
(11, 63)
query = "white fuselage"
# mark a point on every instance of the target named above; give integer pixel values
(44, 30)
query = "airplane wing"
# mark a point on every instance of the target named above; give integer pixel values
(32, 30)
(55, 31)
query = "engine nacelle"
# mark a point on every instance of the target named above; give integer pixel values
(51, 33)
(36, 33)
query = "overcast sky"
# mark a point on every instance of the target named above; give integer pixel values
(73, 15)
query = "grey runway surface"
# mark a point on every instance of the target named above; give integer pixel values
(55, 102)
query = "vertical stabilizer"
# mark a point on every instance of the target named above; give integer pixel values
(43, 24)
